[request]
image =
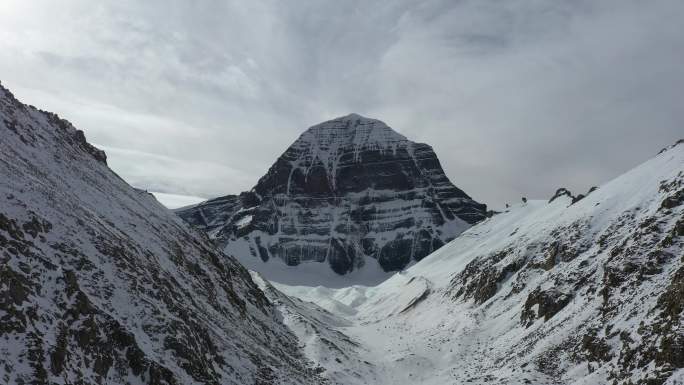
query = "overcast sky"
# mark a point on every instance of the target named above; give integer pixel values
(198, 98)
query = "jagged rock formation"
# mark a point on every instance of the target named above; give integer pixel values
(99, 284)
(347, 189)
(565, 192)
(544, 293)
(561, 192)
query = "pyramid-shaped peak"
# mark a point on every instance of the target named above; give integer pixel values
(354, 116)
(352, 121)
(354, 124)
(351, 130)
(346, 191)
(347, 136)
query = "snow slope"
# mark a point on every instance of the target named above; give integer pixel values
(545, 293)
(100, 284)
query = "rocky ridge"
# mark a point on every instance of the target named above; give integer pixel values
(100, 284)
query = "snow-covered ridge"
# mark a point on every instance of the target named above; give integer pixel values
(100, 284)
(545, 293)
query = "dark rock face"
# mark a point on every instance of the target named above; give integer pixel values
(99, 284)
(548, 302)
(561, 192)
(347, 189)
(565, 192)
(481, 279)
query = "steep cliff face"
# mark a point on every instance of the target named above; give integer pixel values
(347, 190)
(99, 284)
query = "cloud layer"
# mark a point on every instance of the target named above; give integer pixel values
(517, 97)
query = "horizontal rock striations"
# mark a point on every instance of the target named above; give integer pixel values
(346, 190)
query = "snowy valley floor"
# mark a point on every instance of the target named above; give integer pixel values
(545, 293)
(402, 348)
(404, 331)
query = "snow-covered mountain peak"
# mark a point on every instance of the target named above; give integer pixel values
(354, 116)
(350, 121)
(329, 140)
(351, 192)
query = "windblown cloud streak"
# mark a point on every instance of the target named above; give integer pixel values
(517, 97)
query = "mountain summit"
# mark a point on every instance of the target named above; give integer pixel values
(348, 192)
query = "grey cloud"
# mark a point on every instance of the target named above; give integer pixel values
(167, 175)
(517, 97)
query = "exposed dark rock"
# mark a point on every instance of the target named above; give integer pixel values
(680, 141)
(481, 278)
(671, 302)
(491, 213)
(76, 137)
(578, 198)
(561, 192)
(553, 254)
(347, 189)
(596, 348)
(679, 228)
(548, 302)
(673, 200)
(574, 199)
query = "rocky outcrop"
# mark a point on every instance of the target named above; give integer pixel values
(347, 190)
(543, 304)
(574, 198)
(561, 192)
(99, 284)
